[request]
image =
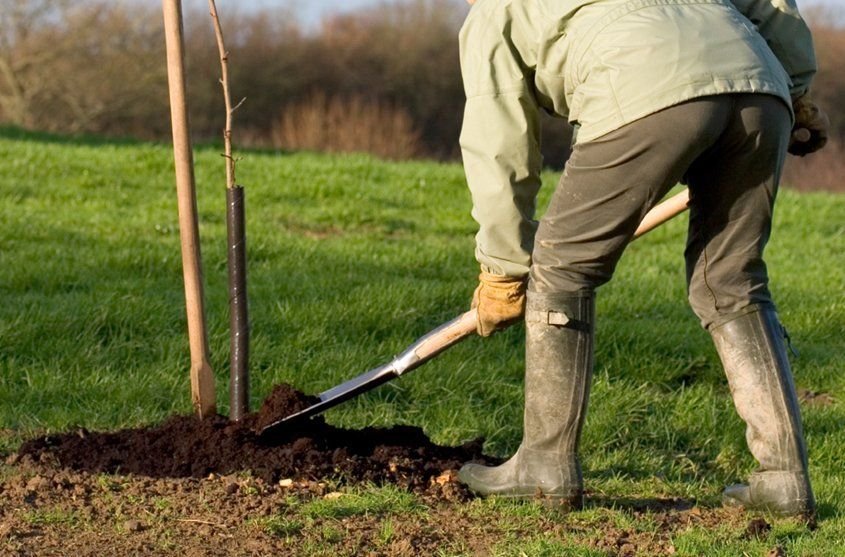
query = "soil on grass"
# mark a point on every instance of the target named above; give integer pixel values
(49, 511)
(204, 488)
(183, 446)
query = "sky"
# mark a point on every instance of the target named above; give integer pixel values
(314, 8)
(311, 12)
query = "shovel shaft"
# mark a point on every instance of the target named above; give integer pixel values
(663, 212)
(436, 341)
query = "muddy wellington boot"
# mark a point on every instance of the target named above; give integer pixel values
(558, 368)
(753, 353)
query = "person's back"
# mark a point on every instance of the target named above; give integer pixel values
(605, 63)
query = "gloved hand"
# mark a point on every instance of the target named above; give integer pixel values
(811, 127)
(500, 302)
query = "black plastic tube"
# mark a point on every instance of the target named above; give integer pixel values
(238, 307)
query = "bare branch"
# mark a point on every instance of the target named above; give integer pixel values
(227, 97)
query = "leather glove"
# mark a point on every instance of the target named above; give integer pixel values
(500, 302)
(811, 127)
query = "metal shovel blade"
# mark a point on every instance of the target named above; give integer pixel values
(424, 349)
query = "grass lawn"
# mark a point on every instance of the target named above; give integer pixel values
(351, 259)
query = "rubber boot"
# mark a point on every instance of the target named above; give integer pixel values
(558, 369)
(753, 353)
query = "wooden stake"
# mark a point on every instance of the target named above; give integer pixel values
(202, 377)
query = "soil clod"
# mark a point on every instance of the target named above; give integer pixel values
(758, 528)
(133, 526)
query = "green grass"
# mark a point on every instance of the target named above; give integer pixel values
(320, 518)
(378, 501)
(52, 516)
(281, 526)
(351, 259)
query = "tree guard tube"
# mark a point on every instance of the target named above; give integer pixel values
(238, 310)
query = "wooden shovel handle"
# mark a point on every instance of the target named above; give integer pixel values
(662, 212)
(446, 335)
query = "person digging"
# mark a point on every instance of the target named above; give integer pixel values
(711, 93)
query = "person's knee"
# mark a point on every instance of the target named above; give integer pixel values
(717, 319)
(567, 266)
(713, 307)
(723, 279)
(567, 278)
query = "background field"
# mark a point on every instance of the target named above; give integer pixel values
(385, 79)
(352, 258)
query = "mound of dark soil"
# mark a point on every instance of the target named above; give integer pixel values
(283, 401)
(184, 446)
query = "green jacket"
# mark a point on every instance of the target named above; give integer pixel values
(601, 64)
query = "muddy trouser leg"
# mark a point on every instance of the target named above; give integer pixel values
(607, 187)
(733, 188)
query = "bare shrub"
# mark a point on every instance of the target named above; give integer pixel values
(405, 52)
(99, 66)
(402, 53)
(822, 170)
(268, 63)
(825, 170)
(338, 124)
(829, 83)
(83, 67)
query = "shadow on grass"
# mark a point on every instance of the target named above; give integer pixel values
(20, 134)
(644, 504)
(15, 133)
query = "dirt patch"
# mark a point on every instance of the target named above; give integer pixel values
(815, 398)
(49, 511)
(184, 446)
(54, 512)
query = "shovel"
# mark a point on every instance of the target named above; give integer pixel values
(436, 341)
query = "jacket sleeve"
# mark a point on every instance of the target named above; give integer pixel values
(787, 34)
(501, 150)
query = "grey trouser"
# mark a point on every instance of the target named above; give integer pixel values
(729, 149)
